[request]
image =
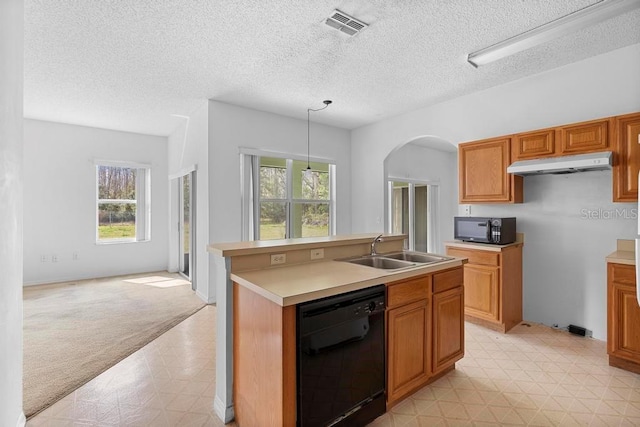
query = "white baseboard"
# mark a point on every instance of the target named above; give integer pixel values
(226, 414)
(75, 278)
(205, 299)
(22, 420)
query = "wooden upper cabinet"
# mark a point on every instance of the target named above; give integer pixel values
(585, 137)
(482, 164)
(577, 138)
(626, 164)
(483, 176)
(533, 145)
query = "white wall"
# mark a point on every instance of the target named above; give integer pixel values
(232, 127)
(415, 162)
(60, 208)
(188, 146)
(601, 86)
(11, 208)
(570, 226)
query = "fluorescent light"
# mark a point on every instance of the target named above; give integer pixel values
(567, 24)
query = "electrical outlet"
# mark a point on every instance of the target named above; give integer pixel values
(278, 259)
(466, 210)
(54, 258)
(317, 253)
(43, 258)
(74, 256)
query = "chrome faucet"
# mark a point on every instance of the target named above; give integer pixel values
(373, 244)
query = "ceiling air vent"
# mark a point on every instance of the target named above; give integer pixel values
(345, 23)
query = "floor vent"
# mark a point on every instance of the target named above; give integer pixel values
(345, 23)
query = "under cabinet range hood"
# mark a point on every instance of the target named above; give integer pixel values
(562, 165)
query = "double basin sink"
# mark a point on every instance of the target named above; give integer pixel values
(396, 260)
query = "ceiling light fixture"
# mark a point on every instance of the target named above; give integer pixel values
(567, 24)
(326, 103)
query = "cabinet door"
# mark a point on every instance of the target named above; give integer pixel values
(483, 173)
(448, 328)
(627, 162)
(482, 291)
(534, 145)
(626, 318)
(623, 313)
(408, 348)
(585, 137)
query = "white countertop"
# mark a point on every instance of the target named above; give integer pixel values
(295, 284)
(480, 246)
(264, 246)
(625, 253)
(622, 257)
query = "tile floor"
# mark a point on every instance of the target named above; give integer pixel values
(533, 375)
(168, 382)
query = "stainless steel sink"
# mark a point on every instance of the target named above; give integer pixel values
(380, 262)
(419, 257)
(395, 260)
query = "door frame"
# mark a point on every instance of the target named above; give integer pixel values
(433, 191)
(177, 223)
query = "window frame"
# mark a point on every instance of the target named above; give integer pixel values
(251, 197)
(142, 201)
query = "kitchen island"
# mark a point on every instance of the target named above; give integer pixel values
(266, 282)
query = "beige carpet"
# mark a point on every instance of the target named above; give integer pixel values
(75, 331)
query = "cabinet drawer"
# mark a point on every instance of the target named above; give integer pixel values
(447, 280)
(476, 257)
(406, 291)
(623, 274)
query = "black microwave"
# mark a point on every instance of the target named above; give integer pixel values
(498, 231)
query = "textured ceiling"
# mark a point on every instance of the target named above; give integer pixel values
(130, 64)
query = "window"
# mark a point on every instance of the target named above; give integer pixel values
(288, 201)
(123, 203)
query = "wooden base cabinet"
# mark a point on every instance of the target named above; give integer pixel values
(424, 334)
(492, 284)
(409, 343)
(623, 317)
(264, 357)
(425, 331)
(448, 319)
(482, 296)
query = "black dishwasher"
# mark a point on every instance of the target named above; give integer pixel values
(341, 359)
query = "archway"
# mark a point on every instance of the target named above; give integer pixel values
(420, 191)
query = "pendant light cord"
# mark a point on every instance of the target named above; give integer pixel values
(309, 110)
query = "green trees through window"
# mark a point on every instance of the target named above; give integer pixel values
(121, 200)
(293, 202)
(116, 203)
